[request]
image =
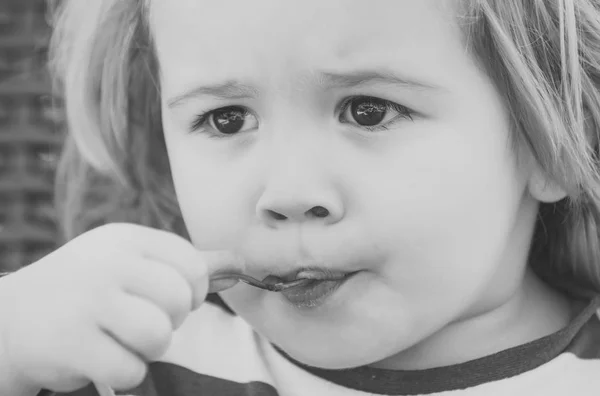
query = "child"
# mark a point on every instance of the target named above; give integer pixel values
(439, 160)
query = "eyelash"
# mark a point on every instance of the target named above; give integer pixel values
(202, 119)
(403, 111)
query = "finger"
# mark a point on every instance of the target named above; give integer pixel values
(107, 362)
(178, 252)
(222, 261)
(161, 245)
(212, 261)
(217, 285)
(137, 325)
(163, 286)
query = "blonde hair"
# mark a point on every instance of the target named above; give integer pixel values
(543, 56)
(114, 164)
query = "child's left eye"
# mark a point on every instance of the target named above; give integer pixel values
(373, 113)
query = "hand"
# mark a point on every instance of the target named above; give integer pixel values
(100, 307)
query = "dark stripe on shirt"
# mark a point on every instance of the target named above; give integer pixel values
(581, 337)
(166, 379)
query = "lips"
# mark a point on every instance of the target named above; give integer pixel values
(329, 271)
(316, 292)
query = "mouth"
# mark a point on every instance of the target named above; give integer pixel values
(319, 284)
(302, 277)
(306, 286)
(317, 291)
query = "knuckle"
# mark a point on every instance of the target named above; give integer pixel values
(161, 327)
(155, 335)
(157, 349)
(173, 290)
(107, 362)
(127, 375)
(181, 295)
(174, 296)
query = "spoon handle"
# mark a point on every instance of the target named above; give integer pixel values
(240, 277)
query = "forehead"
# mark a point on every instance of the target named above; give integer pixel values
(274, 39)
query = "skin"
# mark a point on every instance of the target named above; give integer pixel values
(436, 212)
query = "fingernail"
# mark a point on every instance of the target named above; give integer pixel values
(220, 285)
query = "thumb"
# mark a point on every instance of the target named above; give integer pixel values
(214, 261)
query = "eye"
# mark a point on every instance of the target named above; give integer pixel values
(225, 121)
(373, 113)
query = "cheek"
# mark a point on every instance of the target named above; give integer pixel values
(448, 211)
(209, 192)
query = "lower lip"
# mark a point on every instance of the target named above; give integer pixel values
(314, 294)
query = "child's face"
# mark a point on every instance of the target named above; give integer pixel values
(429, 206)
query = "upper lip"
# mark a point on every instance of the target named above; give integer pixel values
(324, 254)
(288, 270)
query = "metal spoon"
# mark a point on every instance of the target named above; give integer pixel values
(270, 283)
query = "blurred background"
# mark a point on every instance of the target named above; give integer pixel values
(31, 126)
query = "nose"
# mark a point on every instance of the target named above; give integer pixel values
(298, 199)
(282, 211)
(300, 182)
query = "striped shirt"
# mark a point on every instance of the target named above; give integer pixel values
(216, 353)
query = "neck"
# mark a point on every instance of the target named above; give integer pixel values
(533, 311)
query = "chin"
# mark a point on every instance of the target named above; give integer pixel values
(329, 358)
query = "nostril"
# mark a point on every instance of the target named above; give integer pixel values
(319, 211)
(316, 211)
(276, 215)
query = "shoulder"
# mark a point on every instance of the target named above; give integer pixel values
(586, 344)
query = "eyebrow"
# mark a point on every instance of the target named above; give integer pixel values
(230, 89)
(233, 89)
(362, 77)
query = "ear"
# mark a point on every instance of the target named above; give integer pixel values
(543, 188)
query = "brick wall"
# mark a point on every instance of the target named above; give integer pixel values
(30, 125)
